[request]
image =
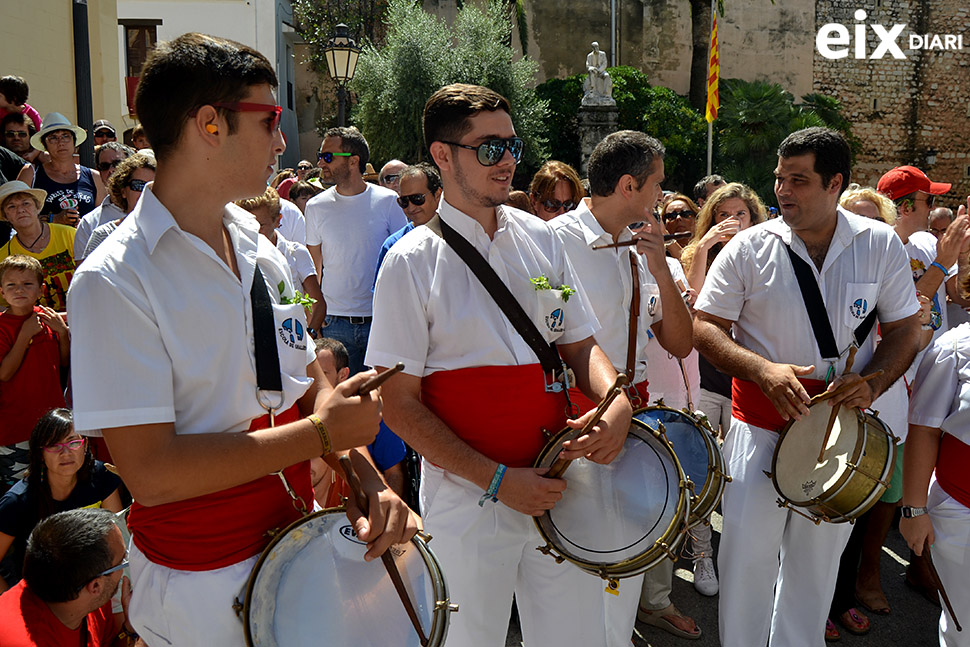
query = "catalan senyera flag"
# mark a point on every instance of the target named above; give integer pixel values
(713, 71)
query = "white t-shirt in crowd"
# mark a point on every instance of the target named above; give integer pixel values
(104, 212)
(350, 231)
(298, 258)
(292, 222)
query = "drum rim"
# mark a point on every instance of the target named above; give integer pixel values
(643, 561)
(439, 613)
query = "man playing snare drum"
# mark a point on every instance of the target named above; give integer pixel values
(164, 362)
(858, 266)
(472, 400)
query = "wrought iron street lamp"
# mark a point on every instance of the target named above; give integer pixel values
(342, 53)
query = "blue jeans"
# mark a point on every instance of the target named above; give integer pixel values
(353, 336)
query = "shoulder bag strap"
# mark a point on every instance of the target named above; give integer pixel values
(264, 331)
(631, 346)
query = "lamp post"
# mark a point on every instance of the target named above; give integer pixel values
(342, 53)
(931, 156)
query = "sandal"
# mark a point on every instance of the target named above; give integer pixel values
(831, 633)
(661, 619)
(854, 622)
(873, 602)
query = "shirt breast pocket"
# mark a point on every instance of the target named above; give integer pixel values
(552, 314)
(291, 338)
(860, 301)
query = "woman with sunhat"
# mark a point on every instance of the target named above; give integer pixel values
(72, 190)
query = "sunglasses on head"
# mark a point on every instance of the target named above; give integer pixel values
(104, 166)
(551, 205)
(417, 199)
(243, 106)
(391, 178)
(491, 151)
(137, 185)
(328, 156)
(681, 213)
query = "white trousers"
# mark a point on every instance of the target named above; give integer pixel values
(951, 556)
(186, 608)
(487, 554)
(777, 569)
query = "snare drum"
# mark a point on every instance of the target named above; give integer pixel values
(621, 519)
(855, 470)
(698, 452)
(311, 585)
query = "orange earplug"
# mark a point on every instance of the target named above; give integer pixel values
(212, 129)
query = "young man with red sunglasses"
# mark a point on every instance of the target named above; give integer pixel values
(176, 392)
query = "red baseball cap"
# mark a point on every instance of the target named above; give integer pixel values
(904, 180)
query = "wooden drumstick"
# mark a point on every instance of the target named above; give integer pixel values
(629, 243)
(939, 584)
(559, 466)
(828, 395)
(835, 410)
(379, 379)
(386, 556)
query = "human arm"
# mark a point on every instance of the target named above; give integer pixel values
(950, 248)
(919, 461)
(317, 260)
(113, 502)
(674, 331)
(58, 324)
(26, 175)
(318, 312)
(100, 188)
(11, 362)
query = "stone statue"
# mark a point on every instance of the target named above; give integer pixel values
(598, 88)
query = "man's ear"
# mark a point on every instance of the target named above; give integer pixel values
(441, 154)
(835, 183)
(343, 374)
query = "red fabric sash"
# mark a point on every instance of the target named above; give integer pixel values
(500, 411)
(951, 468)
(223, 528)
(749, 404)
(585, 404)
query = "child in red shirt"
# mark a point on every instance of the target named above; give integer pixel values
(34, 345)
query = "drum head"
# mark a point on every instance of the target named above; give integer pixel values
(312, 586)
(688, 439)
(610, 514)
(798, 476)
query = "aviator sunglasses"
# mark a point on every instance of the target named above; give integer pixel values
(417, 199)
(490, 152)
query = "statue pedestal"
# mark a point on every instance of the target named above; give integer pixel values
(595, 123)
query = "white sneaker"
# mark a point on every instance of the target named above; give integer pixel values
(705, 579)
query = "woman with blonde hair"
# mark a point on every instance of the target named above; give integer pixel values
(866, 201)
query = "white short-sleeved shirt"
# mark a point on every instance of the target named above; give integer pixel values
(941, 390)
(162, 330)
(350, 231)
(103, 213)
(297, 258)
(608, 280)
(292, 222)
(433, 314)
(752, 283)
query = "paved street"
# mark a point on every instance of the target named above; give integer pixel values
(912, 622)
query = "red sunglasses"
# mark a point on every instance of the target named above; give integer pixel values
(242, 106)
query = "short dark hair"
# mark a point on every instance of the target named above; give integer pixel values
(66, 551)
(340, 355)
(627, 152)
(351, 141)
(447, 112)
(700, 189)
(14, 89)
(831, 150)
(191, 71)
(429, 171)
(22, 263)
(18, 118)
(124, 149)
(300, 189)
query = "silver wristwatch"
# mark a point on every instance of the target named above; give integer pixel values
(909, 511)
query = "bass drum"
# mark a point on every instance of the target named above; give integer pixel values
(312, 586)
(621, 519)
(698, 452)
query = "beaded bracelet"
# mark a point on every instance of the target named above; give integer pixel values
(322, 432)
(492, 491)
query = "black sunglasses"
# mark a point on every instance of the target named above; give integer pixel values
(328, 156)
(683, 213)
(303, 168)
(104, 166)
(391, 178)
(490, 152)
(417, 199)
(137, 185)
(551, 205)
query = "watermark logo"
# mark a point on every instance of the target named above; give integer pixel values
(835, 41)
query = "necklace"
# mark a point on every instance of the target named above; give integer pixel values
(31, 246)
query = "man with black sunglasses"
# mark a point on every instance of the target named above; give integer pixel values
(472, 399)
(345, 227)
(420, 193)
(107, 157)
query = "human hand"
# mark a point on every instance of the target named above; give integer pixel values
(860, 395)
(779, 382)
(605, 440)
(351, 420)
(526, 490)
(650, 243)
(53, 319)
(955, 241)
(389, 520)
(917, 531)
(721, 232)
(31, 326)
(66, 217)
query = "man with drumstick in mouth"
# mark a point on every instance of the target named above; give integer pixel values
(472, 400)
(777, 568)
(170, 368)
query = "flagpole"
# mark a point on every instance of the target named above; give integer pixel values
(710, 123)
(710, 145)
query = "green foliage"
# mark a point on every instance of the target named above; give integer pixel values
(563, 97)
(315, 21)
(422, 53)
(670, 118)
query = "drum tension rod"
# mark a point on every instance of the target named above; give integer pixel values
(855, 468)
(548, 550)
(784, 504)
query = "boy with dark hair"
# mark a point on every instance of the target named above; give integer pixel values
(198, 439)
(34, 345)
(13, 98)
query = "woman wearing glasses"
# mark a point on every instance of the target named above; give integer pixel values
(677, 215)
(62, 475)
(555, 189)
(125, 187)
(72, 190)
